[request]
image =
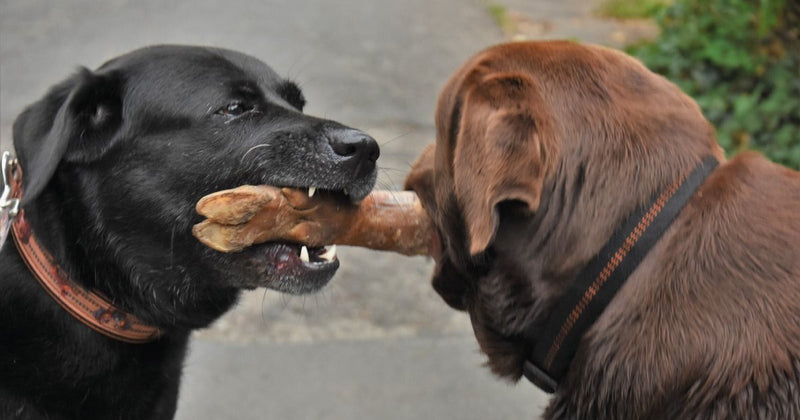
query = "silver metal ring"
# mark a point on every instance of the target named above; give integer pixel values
(8, 168)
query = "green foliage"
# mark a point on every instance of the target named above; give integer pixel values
(501, 17)
(632, 9)
(740, 59)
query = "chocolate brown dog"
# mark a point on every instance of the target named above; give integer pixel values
(543, 151)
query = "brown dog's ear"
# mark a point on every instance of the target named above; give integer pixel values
(504, 144)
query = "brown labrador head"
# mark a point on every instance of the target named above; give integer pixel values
(542, 148)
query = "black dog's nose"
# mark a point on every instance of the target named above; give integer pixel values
(358, 147)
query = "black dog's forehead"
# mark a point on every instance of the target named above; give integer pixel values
(193, 77)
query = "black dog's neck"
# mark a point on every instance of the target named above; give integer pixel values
(58, 231)
(64, 228)
(47, 353)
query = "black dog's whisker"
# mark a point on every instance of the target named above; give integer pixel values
(391, 184)
(291, 72)
(258, 146)
(386, 168)
(263, 302)
(172, 247)
(316, 300)
(399, 136)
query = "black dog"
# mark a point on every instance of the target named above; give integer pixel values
(113, 162)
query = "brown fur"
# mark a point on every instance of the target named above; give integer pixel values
(542, 150)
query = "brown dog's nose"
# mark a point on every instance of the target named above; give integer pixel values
(358, 149)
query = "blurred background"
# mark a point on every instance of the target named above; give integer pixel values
(378, 343)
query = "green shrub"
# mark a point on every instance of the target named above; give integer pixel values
(628, 9)
(740, 59)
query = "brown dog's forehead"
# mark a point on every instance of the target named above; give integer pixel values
(588, 89)
(560, 65)
(547, 56)
(507, 115)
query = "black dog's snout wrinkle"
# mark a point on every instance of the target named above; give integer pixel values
(356, 147)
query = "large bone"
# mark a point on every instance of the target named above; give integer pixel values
(384, 220)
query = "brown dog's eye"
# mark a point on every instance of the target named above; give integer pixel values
(234, 109)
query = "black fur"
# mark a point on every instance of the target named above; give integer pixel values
(114, 161)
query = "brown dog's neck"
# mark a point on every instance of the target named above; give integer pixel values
(556, 343)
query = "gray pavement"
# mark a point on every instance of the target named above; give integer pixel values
(377, 343)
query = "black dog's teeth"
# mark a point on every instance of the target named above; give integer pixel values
(324, 254)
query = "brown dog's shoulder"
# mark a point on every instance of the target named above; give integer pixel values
(751, 180)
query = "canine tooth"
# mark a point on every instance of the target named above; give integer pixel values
(304, 254)
(311, 191)
(329, 254)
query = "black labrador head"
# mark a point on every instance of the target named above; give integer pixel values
(115, 160)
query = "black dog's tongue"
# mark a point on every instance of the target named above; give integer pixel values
(286, 255)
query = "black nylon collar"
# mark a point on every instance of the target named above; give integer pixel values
(598, 282)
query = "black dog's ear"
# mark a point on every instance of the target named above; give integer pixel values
(74, 122)
(95, 107)
(289, 91)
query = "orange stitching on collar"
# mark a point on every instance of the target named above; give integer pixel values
(609, 268)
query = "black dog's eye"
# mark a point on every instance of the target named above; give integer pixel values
(234, 109)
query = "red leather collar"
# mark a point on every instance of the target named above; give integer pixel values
(89, 307)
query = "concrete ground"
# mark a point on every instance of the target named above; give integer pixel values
(377, 343)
